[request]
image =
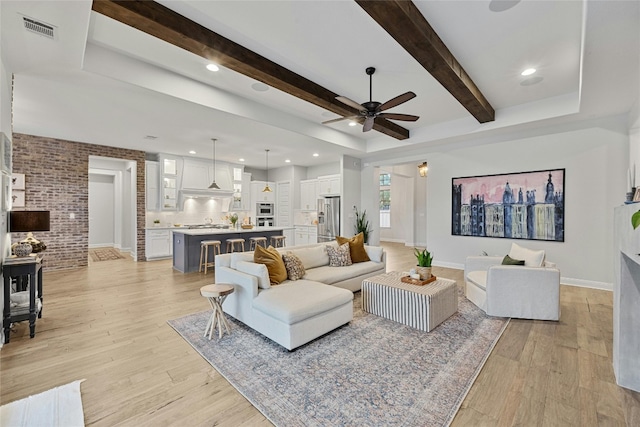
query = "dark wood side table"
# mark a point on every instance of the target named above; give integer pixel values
(22, 269)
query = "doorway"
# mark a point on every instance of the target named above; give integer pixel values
(112, 204)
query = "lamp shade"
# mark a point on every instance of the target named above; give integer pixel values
(26, 221)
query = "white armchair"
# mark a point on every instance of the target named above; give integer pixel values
(524, 292)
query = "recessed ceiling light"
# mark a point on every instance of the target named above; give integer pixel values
(192, 152)
(260, 87)
(287, 161)
(316, 154)
(241, 160)
(213, 67)
(528, 72)
(352, 123)
(151, 137)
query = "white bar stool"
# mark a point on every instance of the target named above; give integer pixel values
(216, 294)
(255, 241)
(231, 245)
(204, 253)
(278, 241)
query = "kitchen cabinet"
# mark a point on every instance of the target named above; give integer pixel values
(169, 181)
(305, 235)
(242, 191)
(329, 185)
(308, 194)
(245, 194)
(152, 187)
(158, 244)
(258, 196)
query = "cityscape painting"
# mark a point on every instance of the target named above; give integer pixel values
(525, 205)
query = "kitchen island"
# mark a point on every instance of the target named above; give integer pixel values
(186, 242)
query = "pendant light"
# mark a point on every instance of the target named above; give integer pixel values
(266, 187)
(213, 185)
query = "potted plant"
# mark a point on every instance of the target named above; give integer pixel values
(424, 258)
(234, 219)
(362, 225)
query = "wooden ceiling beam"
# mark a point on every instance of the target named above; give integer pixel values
(404, 22)
(165, 24)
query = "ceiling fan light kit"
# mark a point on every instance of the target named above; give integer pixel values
(370, 110)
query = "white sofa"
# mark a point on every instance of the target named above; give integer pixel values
(526, 292)
(295, 312)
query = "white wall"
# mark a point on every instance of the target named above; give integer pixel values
(6, 128)
(595, 159)
(351, 194)
(101, 210)
(325, 169)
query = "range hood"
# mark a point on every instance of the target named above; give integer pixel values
(205, 192)
(196, 176)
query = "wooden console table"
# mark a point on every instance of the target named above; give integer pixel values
(27, 272)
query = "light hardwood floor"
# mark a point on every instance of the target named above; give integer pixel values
(107, 324)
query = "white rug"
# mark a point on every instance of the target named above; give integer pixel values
(60, 406)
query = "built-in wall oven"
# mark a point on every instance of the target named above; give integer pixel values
(264, 221)
(264, 209)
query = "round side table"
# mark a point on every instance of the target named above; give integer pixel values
(216, 294)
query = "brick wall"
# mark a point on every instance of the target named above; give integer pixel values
(57, 179)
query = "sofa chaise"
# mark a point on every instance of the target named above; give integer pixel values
(295, 312)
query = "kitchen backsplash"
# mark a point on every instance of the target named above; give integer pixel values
(195, 211)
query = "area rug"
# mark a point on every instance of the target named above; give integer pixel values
(370, 372)
(105, 254)
(60, 406)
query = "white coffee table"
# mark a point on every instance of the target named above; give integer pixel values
(421, 307)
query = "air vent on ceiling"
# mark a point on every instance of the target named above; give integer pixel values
(39, 27)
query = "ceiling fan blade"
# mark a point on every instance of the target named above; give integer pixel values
(339, 119)
(350, 103)
(368, 124)
(394, 116)
(397, 101)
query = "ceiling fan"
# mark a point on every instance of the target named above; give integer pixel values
(369, 111)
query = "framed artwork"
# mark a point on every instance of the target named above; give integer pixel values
(5, 154)
(17, 181)
(636, 196)
(17, 199)
(521, 205)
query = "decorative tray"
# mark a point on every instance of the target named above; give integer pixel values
(246, 226)
(418, 282)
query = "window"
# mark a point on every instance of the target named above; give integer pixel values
(385, 200)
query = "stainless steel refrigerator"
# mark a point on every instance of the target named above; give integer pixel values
(328, 219)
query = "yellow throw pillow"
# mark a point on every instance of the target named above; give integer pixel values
(273, 260)
(356, 247)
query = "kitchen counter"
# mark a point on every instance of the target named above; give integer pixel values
(186, 242)
(218, 231)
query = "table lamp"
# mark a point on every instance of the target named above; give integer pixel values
(29, 221)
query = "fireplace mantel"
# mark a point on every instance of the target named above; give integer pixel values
(626, 299)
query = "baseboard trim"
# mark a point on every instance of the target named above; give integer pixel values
(582, 283)
(101, 245)
(453, 265)
(570, 281)
(392, 240)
